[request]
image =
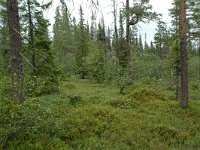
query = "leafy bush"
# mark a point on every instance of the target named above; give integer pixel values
(123, 79)
(194, 86)
(146, 93)
(5, 86)
(36, 86)
(165, 132)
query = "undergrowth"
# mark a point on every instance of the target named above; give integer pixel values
(87, 115)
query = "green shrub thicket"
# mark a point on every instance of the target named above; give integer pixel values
(87, 115)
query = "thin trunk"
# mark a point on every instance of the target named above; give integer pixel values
(177, 57)
(31, 38)
(128, 53)
(15, 46)
(199, 58)
(183, 54)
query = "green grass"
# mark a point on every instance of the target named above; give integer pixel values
(86, 115)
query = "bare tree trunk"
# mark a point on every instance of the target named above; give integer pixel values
(15, 46)
(31, 38)
(199, 58)
(183, 54)
(128, 53)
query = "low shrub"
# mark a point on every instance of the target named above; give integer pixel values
(5, 86)
(75, 100)
(123, 103)
(167, 133)
(36, 86)
(194, 86)
(146, 93)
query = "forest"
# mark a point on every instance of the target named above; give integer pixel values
(93, 86)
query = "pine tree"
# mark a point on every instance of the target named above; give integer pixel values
(57, 43)
(93, 27)
(140, 43)
(128, 53)
(82, 46)
(174, 12)
(183, 54)
(194, 16)
(146, 46)
(122, 44)
(116, 36)
(30, 10)
(162, 39)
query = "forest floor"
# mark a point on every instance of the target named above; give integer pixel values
(87, 115)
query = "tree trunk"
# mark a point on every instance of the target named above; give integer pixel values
(183, 54)
(15, 46)
(177, 57)
(128, 53)
(199, 58)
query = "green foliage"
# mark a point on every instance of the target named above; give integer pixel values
(123, 79)
(172, 63)
(4, 43)
(82, 47)
(37, 86)
(74, 100)
(52, 121)
(123, 103)
(95, 63)
(145, 94)
(193, 68)
(5, 86)
(147, 65)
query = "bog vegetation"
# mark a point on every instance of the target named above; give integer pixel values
(93, 86)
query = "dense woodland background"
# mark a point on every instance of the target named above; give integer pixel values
(90, 84)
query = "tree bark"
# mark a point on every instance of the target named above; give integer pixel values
(128, 53)
(183, 54)
(15, 46)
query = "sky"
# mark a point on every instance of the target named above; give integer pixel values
(105, 10)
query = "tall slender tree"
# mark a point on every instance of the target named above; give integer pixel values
(128, 52)
(31, 36)
(82, 46)
(183, 54)
(15, 46)
(174, 12)
(115, 31)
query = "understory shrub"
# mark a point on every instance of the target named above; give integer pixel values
(123, 103)
(36, 86)
(146, 93)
